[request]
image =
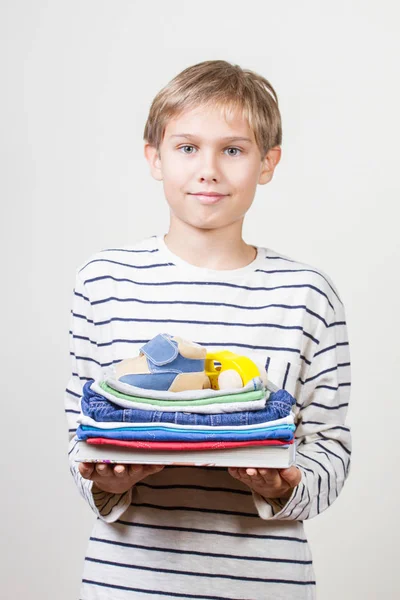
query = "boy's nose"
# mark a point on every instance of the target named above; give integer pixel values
(209, 170)
(213, 179)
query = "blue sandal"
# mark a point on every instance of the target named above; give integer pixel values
(167, 363)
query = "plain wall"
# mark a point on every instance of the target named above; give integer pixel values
(79, 76)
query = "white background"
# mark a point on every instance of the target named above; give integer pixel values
(77, 80)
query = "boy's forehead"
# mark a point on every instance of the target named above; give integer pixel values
(212, 122)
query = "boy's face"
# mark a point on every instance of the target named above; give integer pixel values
(201, 152)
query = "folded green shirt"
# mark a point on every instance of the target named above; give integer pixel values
(245, 397)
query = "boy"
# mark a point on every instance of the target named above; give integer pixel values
(213, 133)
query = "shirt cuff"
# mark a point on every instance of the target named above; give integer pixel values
(109, 507)
(277, 508)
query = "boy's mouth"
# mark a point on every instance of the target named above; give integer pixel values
(209, 197)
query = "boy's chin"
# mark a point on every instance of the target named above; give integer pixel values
(212, 223)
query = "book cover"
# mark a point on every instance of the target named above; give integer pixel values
(276, 457)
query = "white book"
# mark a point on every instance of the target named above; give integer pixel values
(274, 457)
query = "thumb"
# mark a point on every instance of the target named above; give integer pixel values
(292, 476)
(86, 470)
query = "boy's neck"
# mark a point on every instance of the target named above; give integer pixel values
(218, 249)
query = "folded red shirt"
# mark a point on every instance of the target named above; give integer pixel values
(185, 445)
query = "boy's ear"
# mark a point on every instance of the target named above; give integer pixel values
(268, 165)
(153, 158)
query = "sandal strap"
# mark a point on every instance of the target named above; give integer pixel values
(161, 350)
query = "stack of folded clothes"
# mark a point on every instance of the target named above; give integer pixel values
(157, 400)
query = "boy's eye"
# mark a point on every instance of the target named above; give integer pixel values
(236, 151)
(188, 149)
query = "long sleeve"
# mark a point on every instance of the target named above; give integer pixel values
(85, 365)
(323, 439)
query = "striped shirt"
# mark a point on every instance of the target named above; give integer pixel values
(190, 532)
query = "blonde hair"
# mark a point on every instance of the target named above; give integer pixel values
(224, 85)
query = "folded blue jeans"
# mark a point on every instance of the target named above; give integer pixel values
(163, 434)
(100, 409)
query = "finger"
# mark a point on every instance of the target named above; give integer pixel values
(292, 476)
(135, 470)
(104, 470)
(151, 469)
(267, 478)
(261, 474)
(119, 470)
(242, 475)
(233, 471)
(86, 470)
(271, 478)
(252, 472)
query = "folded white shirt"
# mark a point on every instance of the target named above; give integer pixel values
(88, 421)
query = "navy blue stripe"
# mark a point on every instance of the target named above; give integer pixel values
(337, 323)
(162, 593)
(330, 370)
(128, 250)
(215, 532)
(323, 468)
(87, 359)
(204, 303)
(193, 487)
(333, 454)
(73, 393)
(79, 316)
(330, 387)
(81, 296)
(293, 499)
(73, 447)
(121, 264)
(308, 362)
(330, 348)
(82, 378)
(154, 592)
(309, 470)
(237, 344)
(83, 338)
(194, 322)
(319, 492)
(326, 387)
(321, 423)
(192, 509)
(267, 364)
(198, 553)
(306, 334)
(279, 257)
(74, 412)
(330, 407)
(286, 376)
(307, 505)
(300, 271)
(195, 573)
(330, 463)
(211, 284)
(114, 505)
(208, 343)
(337, 441)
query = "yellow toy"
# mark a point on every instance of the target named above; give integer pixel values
(235, 370)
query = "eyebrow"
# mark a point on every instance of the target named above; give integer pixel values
(234, 138)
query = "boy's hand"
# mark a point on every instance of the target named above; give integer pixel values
(269, 483)
(116, 479)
